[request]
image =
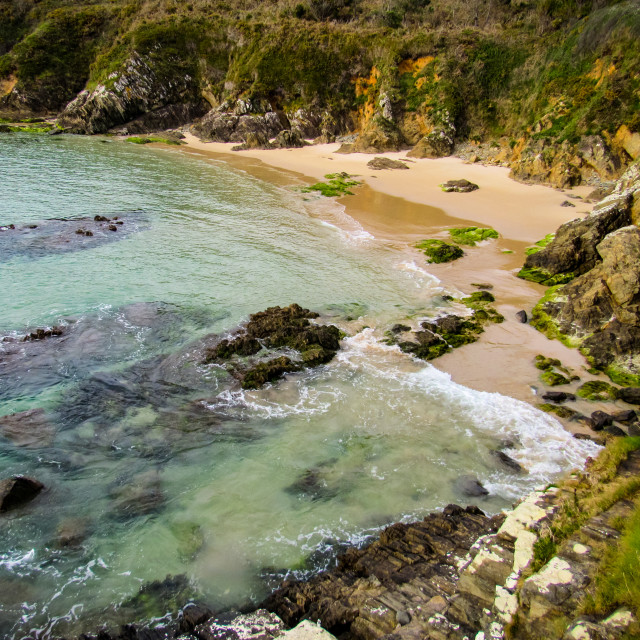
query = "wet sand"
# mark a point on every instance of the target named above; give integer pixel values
(401, 207)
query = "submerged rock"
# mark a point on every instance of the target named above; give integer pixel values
(59, 235)
(30, 429)
(17, 491)
(470, 486)
(140, 496)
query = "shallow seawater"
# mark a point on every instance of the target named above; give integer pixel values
(165, 465)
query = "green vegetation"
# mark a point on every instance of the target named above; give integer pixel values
(149, 139)
(471, 235)
(588, 494)
(559, 410)
(619, 376)
(618, 578)
(597, 391)
(539, 245)
(553, 378)
(553, 372)
(542, 276)
(338, 184)
(438, 251)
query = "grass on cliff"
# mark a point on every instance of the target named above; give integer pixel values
(586, 495)
(618, 578)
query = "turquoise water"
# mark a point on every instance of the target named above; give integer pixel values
(168, 467)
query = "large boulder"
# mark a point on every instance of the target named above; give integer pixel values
(233, 122)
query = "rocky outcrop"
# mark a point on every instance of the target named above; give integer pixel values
(598, 310)
(540, 160)
(441, 335)
(272, 331)
(141, 95)
(400, 584)
(234, 121)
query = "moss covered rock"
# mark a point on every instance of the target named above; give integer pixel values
(597, 391)
(439, 251)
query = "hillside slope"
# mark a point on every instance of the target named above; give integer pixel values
(551, 86)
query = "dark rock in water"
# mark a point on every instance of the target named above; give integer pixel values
(312, 486)
(507, 461)
(399, 328)
(241, 346)
(112, 227)
(612, 430)
(99, 218)
(482, 285)
(258, 625)
(470, 486)
(72, 532)
(30, 429)
(625, 416)
(566, 203)
(278, 328)
(155, 598)
(449, 324)
(408, 566)
(600, 419)
(192, 615)
(17, 491)
(458, 186)
(522, 317)
(141, 496)
(57, 236)
(630, 395)
(558, 396)
(41, 334)
(380, 163)
(268, 371)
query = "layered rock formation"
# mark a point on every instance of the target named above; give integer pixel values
(594, 263)
(141, 95)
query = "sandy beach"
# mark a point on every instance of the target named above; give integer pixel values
(401, 207)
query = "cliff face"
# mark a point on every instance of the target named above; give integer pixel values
(597, 308)
(549, 88)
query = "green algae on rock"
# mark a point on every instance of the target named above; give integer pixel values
(597, 391)
(338, 184)
(448, 332)
(270, 331)
(541, 244)
(472, 235)
(439, 251)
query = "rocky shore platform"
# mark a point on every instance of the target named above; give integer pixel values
(535, 571)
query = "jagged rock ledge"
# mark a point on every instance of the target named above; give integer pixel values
(457, 574)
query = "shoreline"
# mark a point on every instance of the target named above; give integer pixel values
(420, 209)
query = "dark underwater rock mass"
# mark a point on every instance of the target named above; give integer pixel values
(59, 235)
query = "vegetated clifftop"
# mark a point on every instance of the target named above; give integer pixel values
(550, 87)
